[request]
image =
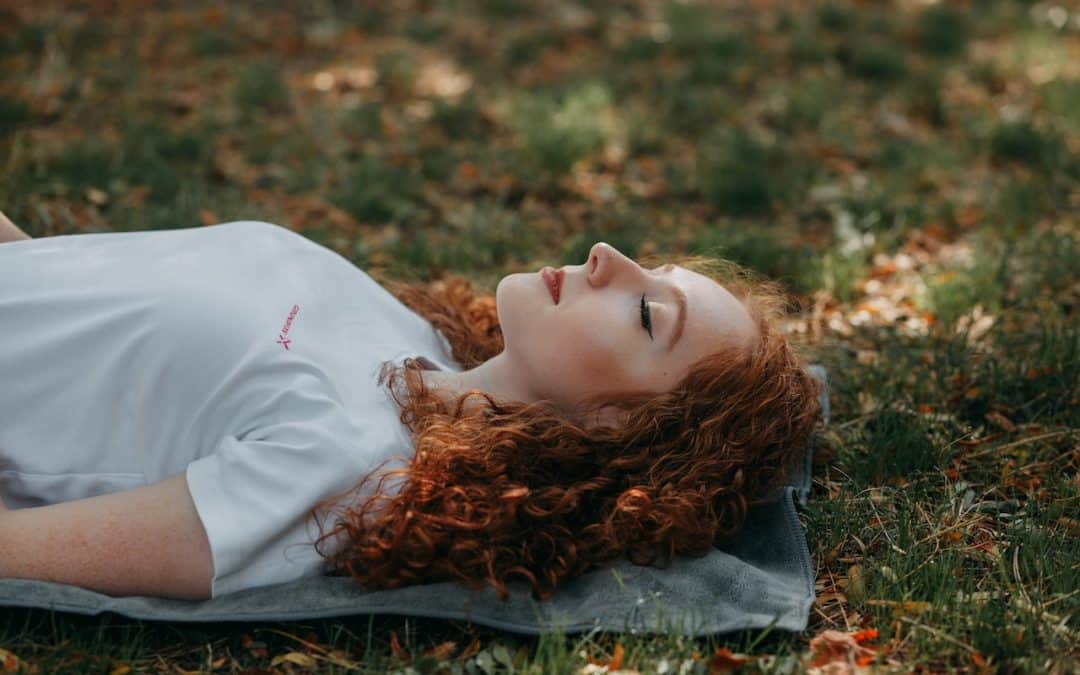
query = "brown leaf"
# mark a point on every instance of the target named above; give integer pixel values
(968, 217)
(467, 171)
(614, 663)
(1022, 480)
(400, 653)
(978, 659)
(723, 661)
(833, 646)
(616, 659)
(295, 658)
(999, 420)
(471, 650)
(1071, 524)
(885, 268)
(442, 651)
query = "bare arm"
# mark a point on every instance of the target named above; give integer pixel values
(9, 231)
(144, 541)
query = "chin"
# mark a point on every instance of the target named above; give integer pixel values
(518, 299)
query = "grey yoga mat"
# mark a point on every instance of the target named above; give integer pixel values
(761, 577)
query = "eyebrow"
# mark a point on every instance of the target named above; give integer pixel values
(680, 301)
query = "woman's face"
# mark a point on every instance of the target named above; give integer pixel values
(595, 339)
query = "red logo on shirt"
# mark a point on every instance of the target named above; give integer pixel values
(282, 340)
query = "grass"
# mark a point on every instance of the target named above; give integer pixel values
(908, 172)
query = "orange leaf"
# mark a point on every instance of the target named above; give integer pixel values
(400, 653)
(614, 663)
(832, 646)
(442, 651)
(1024, 483)
(723, 661)
(207, 217)
(469, 651)
(616, 660)
(9, 661)
(468, 171)
(864, 635)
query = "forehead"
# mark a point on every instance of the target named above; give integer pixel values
(713, 313)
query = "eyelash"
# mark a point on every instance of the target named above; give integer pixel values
(646, 316)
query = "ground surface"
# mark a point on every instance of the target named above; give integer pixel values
(908, 169)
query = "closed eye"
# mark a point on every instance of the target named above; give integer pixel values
(646, 316)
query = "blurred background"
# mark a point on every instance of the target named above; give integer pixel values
(909, 170)
(813, 141)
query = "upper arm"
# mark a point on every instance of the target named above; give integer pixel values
(144, 541)
(9, 231)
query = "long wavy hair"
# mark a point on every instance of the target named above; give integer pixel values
(509, 489)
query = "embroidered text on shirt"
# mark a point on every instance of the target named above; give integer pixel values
(282, 340)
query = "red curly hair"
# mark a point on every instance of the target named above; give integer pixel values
(518, 490)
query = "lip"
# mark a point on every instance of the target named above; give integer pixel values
(553, 278)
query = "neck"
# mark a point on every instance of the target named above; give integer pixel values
(495, 377)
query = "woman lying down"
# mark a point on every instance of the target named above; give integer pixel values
(188, 413)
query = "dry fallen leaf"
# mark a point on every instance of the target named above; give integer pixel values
(471, 650)
(610, 665)
(295, 658)
(442, 650)
(723, 661)
(400, 653)
(834, 652)
(999, 420)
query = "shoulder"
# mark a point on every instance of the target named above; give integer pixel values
(255, 228)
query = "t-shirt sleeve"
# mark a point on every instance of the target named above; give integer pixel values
(254, 493)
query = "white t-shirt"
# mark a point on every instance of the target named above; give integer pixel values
(244, 354)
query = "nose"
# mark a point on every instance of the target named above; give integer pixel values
(605, 263)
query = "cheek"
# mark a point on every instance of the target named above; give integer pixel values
(584, 356)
